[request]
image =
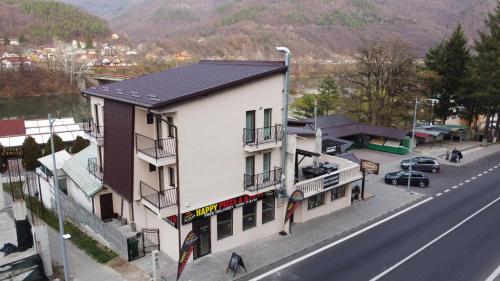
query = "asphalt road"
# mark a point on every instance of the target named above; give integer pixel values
(455, 236)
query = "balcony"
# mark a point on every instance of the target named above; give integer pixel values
(262, 138)
(93, 131)
(346, 174)
(157, 152)
(162, 202)
(95, 169)
(254, 184)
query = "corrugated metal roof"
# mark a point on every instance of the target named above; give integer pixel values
(76, 169)
(12, 127)
(61, 157)
(183, 83)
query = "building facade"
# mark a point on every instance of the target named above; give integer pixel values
(199, 148)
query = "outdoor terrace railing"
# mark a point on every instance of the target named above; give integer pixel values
(159, 198)
(155, 148)
(256, 137)
(94, 130)
(317, 184)
(95, 169)
(263, 180)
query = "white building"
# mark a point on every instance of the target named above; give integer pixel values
(199, 148)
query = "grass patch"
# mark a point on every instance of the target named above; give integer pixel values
(89, 245)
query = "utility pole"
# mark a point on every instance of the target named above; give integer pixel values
(58, 203)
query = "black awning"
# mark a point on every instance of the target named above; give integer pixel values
(306, 153)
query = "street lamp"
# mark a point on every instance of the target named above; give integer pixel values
(62, 236)
(413, 145)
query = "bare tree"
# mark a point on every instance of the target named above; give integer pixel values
(383, 84)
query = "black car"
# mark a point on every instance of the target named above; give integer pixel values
(401, 177)
(424, 164)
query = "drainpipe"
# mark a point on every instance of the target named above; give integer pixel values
(286, 83)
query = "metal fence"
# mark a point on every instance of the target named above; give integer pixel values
(160, 199)
(155, 148)
(263, 180)
(256, 137)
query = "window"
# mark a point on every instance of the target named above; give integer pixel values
(316, 201)
(267, 166)
(267, 123)
(62, 186)
(224, 224)
(171, 175)
(152, 167)
(338, 192)
(268, 207)
(170, 120)
(161, 177)
(249, 216)
(249, 170)
(250, 126)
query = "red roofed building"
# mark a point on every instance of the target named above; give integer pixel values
(12, 127)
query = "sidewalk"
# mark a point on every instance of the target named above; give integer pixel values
(266, 251)
(472, 154)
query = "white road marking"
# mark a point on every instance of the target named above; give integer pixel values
(306, 256)
(447, 190)
(485, 172)
(439, 194)
(453, 187)
(473, 178)
(385, 272)
(467, 181)
(494, 274)
(479, 174)
(490, 169)
(461, 183)
(495, 167)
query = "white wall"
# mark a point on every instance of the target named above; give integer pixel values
(77, 194)
(46, 190)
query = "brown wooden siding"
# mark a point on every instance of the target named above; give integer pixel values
(119, 148)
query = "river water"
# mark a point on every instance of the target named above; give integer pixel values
(59, 106)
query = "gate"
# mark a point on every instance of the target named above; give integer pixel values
(145, 241)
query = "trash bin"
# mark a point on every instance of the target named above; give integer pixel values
(133, 249)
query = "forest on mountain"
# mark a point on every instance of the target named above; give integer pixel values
(40, 21)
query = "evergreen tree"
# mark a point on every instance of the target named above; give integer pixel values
(487, 65)
(449, 60)
(79, 144)
(303, 107)
(328, 97)
(58, 145)
(32, 152)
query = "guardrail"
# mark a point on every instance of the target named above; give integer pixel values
(158, 198)
(155, 148)
(94, 130)
(262, 180)
(327, 181)
(95, 169)
(256, 137)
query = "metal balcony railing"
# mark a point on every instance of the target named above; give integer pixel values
(319, 184)
(155, 148)
(256, 137)
(158, 198)
(95, 169)
(94, 130)
(263, 180)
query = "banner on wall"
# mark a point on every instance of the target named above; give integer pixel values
(186, 251)
(293, 203)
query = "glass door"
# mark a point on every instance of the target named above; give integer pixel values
(267, 167)
(267, 123)
(250, 126)
(201, 227)
(249, 170)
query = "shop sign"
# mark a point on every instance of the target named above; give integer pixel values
(186, 250)
(331, 180)
(369, 167)
(172, 220)
(220, 207)
(293, 203)
(16, 151)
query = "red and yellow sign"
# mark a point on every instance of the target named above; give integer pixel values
(186, 250)
(293, 203)
(220, 207)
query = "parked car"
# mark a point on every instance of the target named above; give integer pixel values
(424, 164)
(401, 177)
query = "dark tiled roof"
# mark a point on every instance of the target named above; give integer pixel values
(183, 83)
(12, 127)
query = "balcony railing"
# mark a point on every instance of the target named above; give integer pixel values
(95, 169)
(94, 130)
(259, 136)
(155, 148)
(330, 180)
(263, 180)
(159, 199)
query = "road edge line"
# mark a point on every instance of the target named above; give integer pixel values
(343, 239)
